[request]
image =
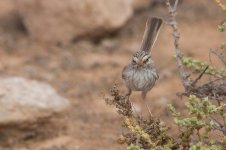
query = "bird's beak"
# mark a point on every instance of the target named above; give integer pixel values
(139, 63)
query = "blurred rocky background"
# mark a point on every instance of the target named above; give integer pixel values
(59, 57)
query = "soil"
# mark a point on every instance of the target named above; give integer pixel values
(84, 72)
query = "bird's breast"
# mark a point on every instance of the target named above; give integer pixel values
(140, 79)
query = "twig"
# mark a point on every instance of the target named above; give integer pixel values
(176, 36)
(219, 55)
(212, 81)
(219, 3)
(199, 77)
(218, 125)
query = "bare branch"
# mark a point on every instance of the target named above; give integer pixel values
(176, 35)
(218, 125)
(199, 77)
(219, 55)
(212, 90)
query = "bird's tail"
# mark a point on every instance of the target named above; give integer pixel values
(151, 33)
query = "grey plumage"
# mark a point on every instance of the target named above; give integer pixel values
(140, 77)
(140, 74)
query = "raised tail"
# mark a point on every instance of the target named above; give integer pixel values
(151, 33)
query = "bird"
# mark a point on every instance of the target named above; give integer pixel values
(140, 73)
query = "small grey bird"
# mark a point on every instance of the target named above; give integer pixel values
(140, 74)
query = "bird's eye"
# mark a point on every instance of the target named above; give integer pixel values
(146, 60)
(133, 61)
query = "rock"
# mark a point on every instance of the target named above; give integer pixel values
(23, 100)
(63, 21)
(59, 143)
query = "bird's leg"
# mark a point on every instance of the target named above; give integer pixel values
(143, 94)
(128, 93)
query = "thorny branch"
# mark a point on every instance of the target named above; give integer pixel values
(176, 35)
(214, 89)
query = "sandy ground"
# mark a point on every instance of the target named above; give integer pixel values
(84, 71)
